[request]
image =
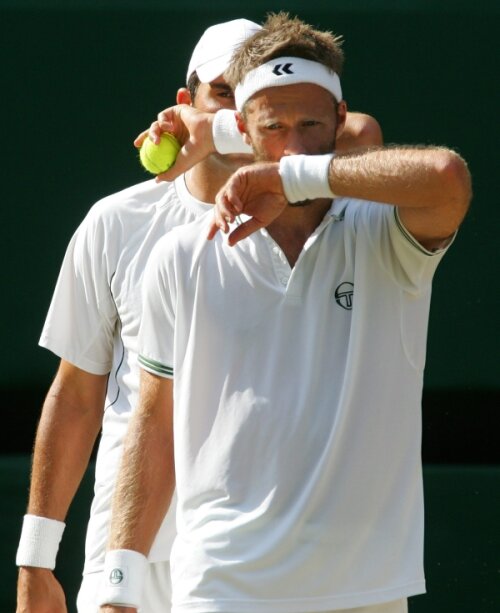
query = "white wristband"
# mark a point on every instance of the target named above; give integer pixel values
(305, 177)
(124, 575)
(39, 542)
(227, 138)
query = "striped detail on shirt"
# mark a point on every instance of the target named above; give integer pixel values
(155, 366)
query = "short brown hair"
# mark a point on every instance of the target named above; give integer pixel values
(193, 84)
(281, 36)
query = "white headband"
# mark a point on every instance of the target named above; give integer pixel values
(287, 71)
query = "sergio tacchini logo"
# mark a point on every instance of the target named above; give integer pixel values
(115, 576)
(344, 294)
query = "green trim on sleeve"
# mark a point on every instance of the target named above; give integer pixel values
(410, 238)
(155, 366)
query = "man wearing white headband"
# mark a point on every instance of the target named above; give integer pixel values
(297, 356)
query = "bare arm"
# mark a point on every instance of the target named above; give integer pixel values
(146, 480)
(70, 422)
(430, 186)
(69, 425)
(193, 128)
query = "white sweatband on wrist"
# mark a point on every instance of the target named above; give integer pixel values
(226, 136)
(39, 542)
(305, 177)
(124, 575)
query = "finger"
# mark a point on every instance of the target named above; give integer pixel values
(224, 207)
(168, 117)
(176, 121)
(140, 139)
(165, 114)
(213, 228)
(221, 219)
(233, 203)
(171, 124)
(233, 190)
(244, 230)
(155, 132)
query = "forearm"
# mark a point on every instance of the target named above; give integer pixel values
(70, 421)
(64, 442)
(410, 177)
(145, 482)
(143, 492)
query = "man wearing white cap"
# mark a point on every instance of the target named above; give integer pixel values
(297, 356)
(92, 326)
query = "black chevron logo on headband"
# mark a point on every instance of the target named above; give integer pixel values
(286, 69)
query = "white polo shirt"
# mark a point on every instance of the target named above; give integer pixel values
(94, 317)
(297, 412)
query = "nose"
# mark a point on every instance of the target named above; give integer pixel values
(294, 144)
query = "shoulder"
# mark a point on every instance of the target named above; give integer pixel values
(187, 238)
(126, 214)
(183, 248)
(136, 200)
(365, 221)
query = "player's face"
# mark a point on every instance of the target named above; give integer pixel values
(210, 97)
(291, 120)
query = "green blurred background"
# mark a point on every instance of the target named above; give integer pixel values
(80, 79)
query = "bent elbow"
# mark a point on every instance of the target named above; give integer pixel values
(455, 176)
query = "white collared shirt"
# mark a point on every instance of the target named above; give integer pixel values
(297, 412)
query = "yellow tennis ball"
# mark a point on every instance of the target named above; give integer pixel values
(159, 158)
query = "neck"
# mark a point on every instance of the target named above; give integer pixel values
(206, 178)
(296, 224)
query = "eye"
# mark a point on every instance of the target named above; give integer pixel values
(226, 94)
(273, 126)
(310, 122)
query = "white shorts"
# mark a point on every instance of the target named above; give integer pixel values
(157, 596)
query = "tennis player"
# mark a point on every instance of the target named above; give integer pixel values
(283, 375)
(92, 326)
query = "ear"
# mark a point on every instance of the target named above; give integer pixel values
(341, 117)
(240, 122)
(183, 96)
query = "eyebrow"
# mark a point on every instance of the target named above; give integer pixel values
(221, 86)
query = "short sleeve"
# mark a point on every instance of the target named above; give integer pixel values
(156, 336)
(82, 316)
(410, 265)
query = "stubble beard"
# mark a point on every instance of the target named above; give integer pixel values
(330, 148)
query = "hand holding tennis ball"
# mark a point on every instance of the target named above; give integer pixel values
(159, 158)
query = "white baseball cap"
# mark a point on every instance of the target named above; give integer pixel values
(212, 55)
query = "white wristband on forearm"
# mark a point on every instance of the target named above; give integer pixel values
(227, 137)
(124, 575)
(39, 542)
(305, 177)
